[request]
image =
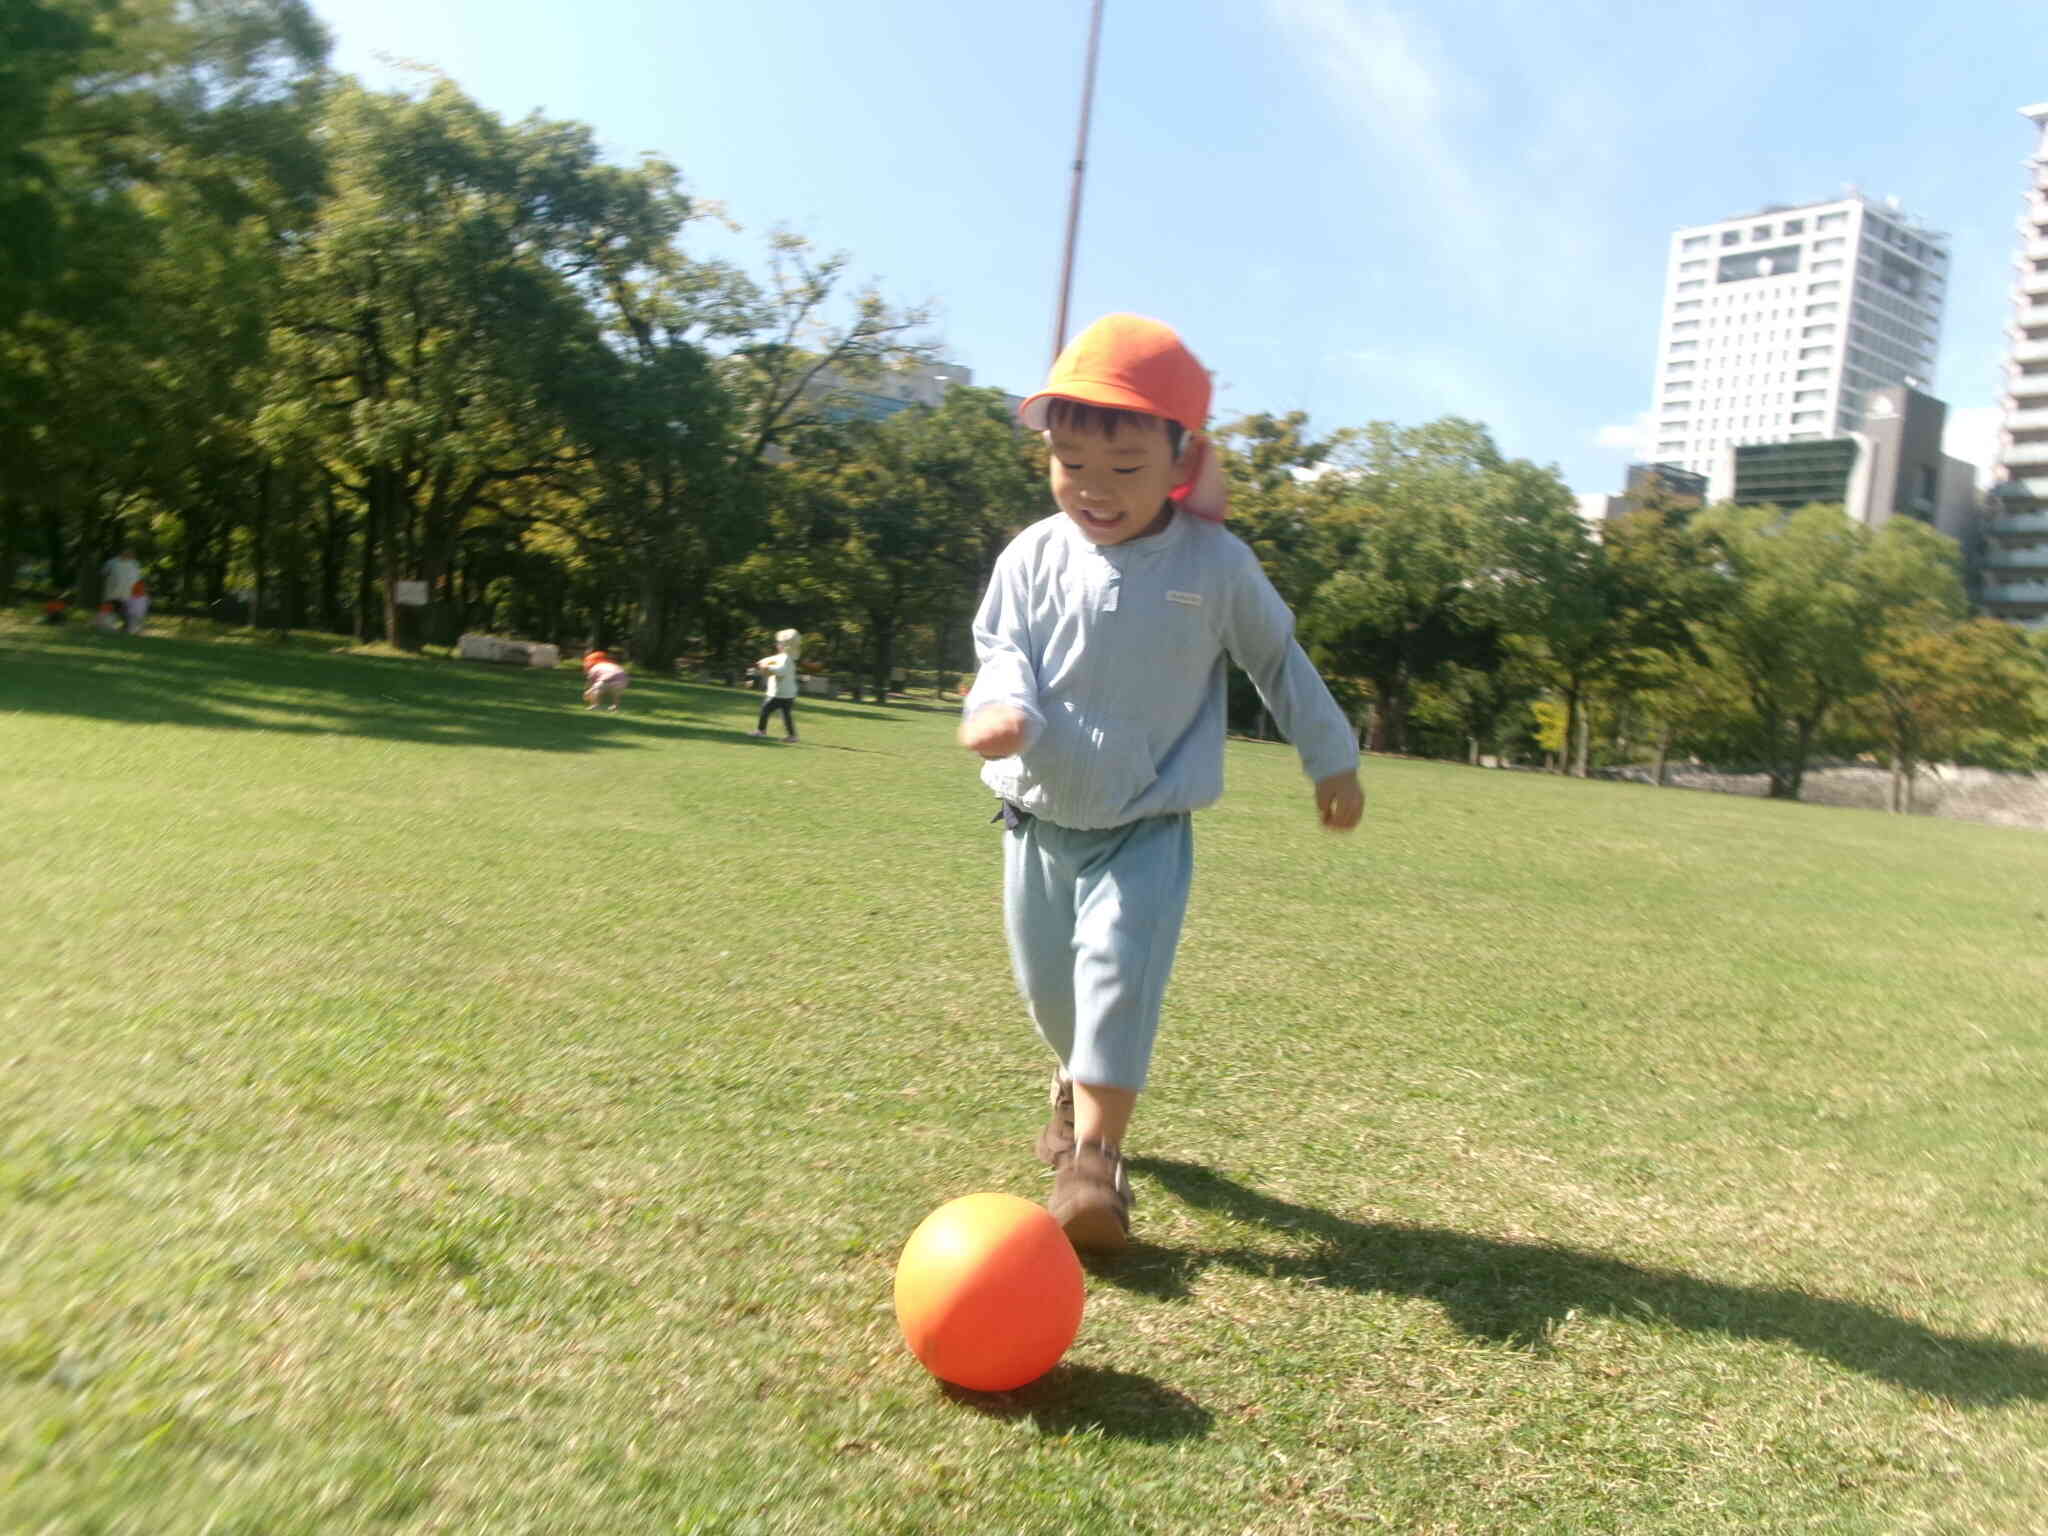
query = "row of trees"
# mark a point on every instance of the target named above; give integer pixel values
(1478, 614)
(294, 336)
(302, 338)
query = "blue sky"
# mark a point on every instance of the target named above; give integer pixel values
(1364, 210)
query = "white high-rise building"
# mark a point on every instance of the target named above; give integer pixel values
(2016, 529)
(1778, 324)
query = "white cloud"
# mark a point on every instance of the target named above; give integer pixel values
(1451, 172)
(1423, 381)
(1375, 69)
(1631, 438)
(1457, 174)
(1972, 435)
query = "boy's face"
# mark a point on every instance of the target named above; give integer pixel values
(1114, 488)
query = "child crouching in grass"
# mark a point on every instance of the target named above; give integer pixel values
(605, 682)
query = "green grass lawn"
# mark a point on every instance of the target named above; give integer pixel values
(425, 1106)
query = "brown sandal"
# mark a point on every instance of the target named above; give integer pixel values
(1057, 1139)
(1091, 1197)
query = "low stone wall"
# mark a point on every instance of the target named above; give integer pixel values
(1960, 794)
(511, 653)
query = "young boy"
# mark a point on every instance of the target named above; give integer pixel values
(1099, 706)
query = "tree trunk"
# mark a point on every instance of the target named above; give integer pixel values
(1788, 775)
(1911, 767)
(390, 575)
(1777, 757)
(1664, 758)
(10, 561)
(191, 545)
(87, 562)
(219, 541)
(332, 549)
(365, 585)
(1390, 715)
(885, 654)
(1585, 741)
(384, 481)
(1894, 794)
(651, 644)
(266, 485)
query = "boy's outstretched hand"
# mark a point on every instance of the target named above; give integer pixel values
(1339, 801)
(994, 730)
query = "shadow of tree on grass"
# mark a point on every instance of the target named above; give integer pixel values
(292, 691)
(1517, 1293)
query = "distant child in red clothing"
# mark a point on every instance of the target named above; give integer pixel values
(605, 682)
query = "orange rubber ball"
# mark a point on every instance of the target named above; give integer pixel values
(988, 1292)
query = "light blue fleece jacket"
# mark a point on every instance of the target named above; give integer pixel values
(1114, 654)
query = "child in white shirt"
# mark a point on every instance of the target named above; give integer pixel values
(778, 683)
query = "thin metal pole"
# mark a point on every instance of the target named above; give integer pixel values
(1059, 325)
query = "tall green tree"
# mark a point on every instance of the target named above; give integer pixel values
(671, 499)
(1610, 614)
(1937, 684)
(1807, 596)
(435, 341)
(144, 146)
(1281, 487)
(888, 522)
(1422, 551)
(806, 344)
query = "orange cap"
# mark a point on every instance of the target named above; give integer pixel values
(1128, 363)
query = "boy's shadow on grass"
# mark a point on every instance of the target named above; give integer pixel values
(1519, 1294)
(1119, 1404)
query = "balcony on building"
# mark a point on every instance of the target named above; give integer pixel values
(2033, 284)
(2027, 419)
(2027, 562)
(2019, 593)
(2026, 456)
(2030, 350)
(2014, 508)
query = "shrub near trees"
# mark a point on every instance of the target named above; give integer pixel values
(306, 340)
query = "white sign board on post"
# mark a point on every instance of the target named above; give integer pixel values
(410, 594)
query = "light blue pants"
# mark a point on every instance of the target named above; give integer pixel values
(1093, 920)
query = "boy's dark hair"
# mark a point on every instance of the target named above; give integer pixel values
(1080, 416)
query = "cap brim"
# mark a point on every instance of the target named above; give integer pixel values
(1034, 410)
